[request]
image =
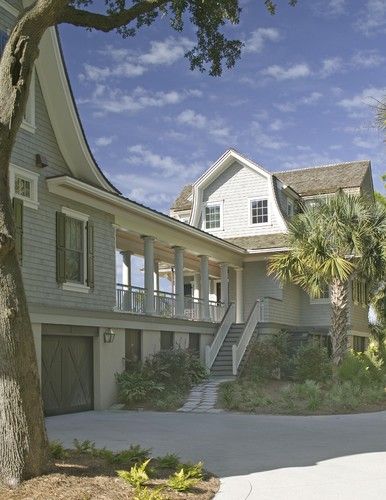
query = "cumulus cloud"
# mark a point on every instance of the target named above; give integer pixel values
(291, 106)
(372, 19)
(290, 73)
(258, 38)
(368, 97)
(104, 141)
(330, 66)
(166, 52)
(214, 127)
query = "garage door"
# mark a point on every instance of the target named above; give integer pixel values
(67, 374)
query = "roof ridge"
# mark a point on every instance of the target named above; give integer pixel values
(327, 165)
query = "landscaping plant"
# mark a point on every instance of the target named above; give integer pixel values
(137, 475)
(182, 481)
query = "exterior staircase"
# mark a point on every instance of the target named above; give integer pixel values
(222, 366)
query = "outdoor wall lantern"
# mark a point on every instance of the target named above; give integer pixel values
(108, 336)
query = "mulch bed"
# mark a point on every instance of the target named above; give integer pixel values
(84, 477)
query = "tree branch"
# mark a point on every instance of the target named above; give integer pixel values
(108, 22)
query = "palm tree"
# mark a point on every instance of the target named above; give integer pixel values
(332, 243)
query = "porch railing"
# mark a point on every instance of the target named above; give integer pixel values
(238, 350)
(133, 299)
(212, 350)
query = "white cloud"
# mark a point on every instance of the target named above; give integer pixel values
(330, 66)
(104, 141)
(166, 52)
(368, 97)
(292, 72)
(111, 100)
(264, 140)
(291, 106)
(367, 59)
(258, 38)
(276, 125)
(372, 19)
(97, 74)
(363, 143)
(214, 127)
(312, 98)
(336, 7)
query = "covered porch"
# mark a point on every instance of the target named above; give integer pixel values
(178, 282)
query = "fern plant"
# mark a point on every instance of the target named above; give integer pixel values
(136, 476)
(182, 481)
(148, 494)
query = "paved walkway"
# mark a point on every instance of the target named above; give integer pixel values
(258, 457)
(203, 397)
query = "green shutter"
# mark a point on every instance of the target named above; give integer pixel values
(60, 247)
(90, 254)
(18, 219)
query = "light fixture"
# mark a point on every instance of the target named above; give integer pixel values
(108, 336)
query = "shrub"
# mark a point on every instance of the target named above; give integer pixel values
(194, 470)
(311, 362)
(136, 476)
(311, 392)
(354, 368)
(134, 454)
(163, 379)
(267, 358)
(137, 386)
(57, 450)
(244, 395)
(182, 481)
(148, 494)
(85, 447)
(169, 461)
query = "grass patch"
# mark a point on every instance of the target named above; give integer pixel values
(88, 472)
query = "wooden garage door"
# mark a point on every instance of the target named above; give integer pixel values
(67, 374)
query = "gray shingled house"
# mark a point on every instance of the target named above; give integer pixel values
(72, 225)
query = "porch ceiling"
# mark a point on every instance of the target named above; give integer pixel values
(162, 252)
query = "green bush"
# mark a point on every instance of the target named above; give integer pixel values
(242, 395)
(137, 386)
(162, 380)
(182, 481)
(311, 362)
(169, 461)
(136, 476)
(267, 358)
(57, 450)
(355, 368)
(149, 494)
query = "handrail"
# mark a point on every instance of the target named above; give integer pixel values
(238, 350)
(212, 350)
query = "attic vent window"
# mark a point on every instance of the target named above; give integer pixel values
(23, 185)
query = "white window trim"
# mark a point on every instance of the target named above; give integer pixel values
(68, 285)
(212, 204)
(33, 177)
(258, 224)
(30, 125)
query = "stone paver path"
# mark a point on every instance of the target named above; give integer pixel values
(203, 397)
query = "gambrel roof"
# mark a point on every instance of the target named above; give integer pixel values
(308, 181)
(326, 178)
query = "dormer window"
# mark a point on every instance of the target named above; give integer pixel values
(259, 211)
(213, 216)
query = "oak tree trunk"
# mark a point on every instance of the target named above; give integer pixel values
(339, 320)
(23, 440)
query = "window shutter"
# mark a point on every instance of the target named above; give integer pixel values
(60, 247)
(18, 219)
(90, 254)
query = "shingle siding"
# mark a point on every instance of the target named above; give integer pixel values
(39, 256)
(234, 187)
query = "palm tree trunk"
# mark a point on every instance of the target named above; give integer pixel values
(339, 320)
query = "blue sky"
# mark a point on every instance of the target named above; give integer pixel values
(302, 94)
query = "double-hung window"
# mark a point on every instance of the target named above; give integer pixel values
(259, 211)
(213, 216)
(75, 250)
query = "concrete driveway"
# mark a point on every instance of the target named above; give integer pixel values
(256, 456)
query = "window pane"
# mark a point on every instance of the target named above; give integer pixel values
(212, 217)
(74, 239)
(259, 211)
(167, 341)
(22, 187)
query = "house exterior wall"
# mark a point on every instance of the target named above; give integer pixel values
(39, 225)
(234, 188)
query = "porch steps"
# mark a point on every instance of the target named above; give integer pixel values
(222, 366)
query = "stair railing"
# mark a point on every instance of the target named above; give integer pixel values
(212, 350)
(238, 350)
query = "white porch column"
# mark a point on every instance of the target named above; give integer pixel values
(179, 280)
(196, 286)
(126, 279)
(239, 295)
(224, 284)
(156, 275)
(204, 290)
(126, 267)
(148, 242)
